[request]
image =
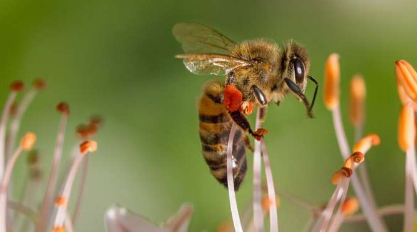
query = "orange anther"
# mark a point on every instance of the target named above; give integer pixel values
(232, 98)
(366, 143)
(267, 202)
(59, 229)
(63, 108)
(344, 172)
(407, 78)
(60, 201)
(350, 206)
(406, 127)
(28, 141)
(17, 86)
(357, 100)
(225, 226)
(88, 146)
(357, 157)
(331, 82)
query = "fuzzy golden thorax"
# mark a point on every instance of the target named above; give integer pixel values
(265, 57)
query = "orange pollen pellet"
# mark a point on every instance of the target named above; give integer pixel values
(88, 146)
(61, 201)
(28, 141)
(406, 129)
(331, 82)
(59, 229)
(63, 108)
(17, 86)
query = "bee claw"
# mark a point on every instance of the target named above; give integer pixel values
(259, 133)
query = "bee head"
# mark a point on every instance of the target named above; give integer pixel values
(295, 64)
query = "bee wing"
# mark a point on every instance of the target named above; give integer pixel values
(197, 38)
(214, 64)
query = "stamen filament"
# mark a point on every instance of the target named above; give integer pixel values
(409, 214)
(26, 144)
(81, 190)
(61, 202)
(47, 202)
(3, 124)
(230, 183)
(273, 215)
(375, 222)
(20, 111)
(258, 216)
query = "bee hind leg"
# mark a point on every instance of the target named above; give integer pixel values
(248, 145)
(243, 123)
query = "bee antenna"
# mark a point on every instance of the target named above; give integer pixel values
(315, 91)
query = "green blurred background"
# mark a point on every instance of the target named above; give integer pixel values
(116, 58)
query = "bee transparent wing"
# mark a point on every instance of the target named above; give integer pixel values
(197, 38)
(213, 64)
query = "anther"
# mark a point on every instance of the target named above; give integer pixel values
(39, 84)
(88, 146)
(60, 201)
(406, 128)
(28, 141)
(366, 143)
(63, 108)
(357, 100)
(350, 206)
(343, 172)
(331, 82)
(407, 77)
(17, 86)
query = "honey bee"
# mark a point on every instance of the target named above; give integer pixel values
(256, 72)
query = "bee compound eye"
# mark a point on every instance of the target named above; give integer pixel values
(298, 71)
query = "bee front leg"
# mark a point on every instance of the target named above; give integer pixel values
(243, 123)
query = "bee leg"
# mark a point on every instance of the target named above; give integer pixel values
(294, 88)
(247, 144)
(260, 96)
(243, 123)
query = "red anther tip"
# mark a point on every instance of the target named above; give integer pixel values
(96, 120)
(17, 86)
(39, 84)
(232, 98)
(63, 108)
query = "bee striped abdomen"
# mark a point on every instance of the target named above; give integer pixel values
(215, 125)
